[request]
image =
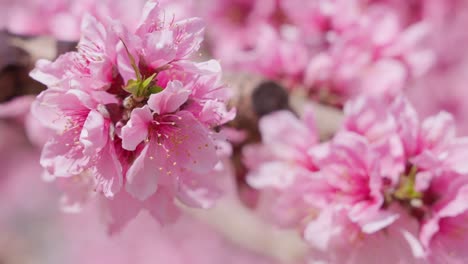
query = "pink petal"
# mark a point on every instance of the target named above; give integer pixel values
(438, 129)
(423, 181)
(93, 32)
(188, 35)
(94, 135)
(320, 231)
(152, 15)
(47, 108)
(160, 48)
(136, 130)
(276, 125)
(274, 174)
(458, 205)
(62, 157)
(145, 172)
(415, 245)
(378, 222)
(108, 172)
(170, 99)
(195, 150)
(120, 211)
(199, 190)
(53, 73)
(161, 206)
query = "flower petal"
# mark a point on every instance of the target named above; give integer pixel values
(191, 145)
(144, 173)
(170, 99)
(136, 130)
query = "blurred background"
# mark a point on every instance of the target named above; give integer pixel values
(276, 54)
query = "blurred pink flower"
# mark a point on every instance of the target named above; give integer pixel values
(345, 243)
(279, 164)
(144, 242)
(369, 52)
(333, 49)
(443, 232)
(443, 87)
(383, 178)
(62, 18)
(351, 177)
(435, 186)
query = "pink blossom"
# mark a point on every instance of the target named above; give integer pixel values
(344, 242)
(443, 233)
(62, 18)
(384, 177)
(131, 110)
(447, 18)
(82, 141)
(280, 163)
(435, 154)
(180, 138)
(243, 33)
(443, 150)
(431, 144)
(369, 53)
(333, 49)
(372, 119)
(350, 176)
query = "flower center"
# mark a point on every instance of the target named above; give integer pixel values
(416, 202)
(407, 191)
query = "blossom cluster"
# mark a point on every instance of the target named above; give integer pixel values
(384, 172)
(62, 18)
(332, 49)
(133, 116)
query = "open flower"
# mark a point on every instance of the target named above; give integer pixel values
(131, 109)
(281, 165)
(385, 177)
(351, 177)
(83, 138)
